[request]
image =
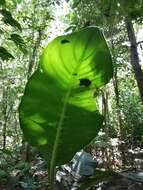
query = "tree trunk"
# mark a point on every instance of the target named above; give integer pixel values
(4, 111)
(117, 97)
(134, 56)
(121, 131)
(4, 135)
(32, 60)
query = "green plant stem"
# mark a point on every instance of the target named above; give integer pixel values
(59, 131)
(52, 179)
(53, 159)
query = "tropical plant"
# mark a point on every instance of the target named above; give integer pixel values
(59, 99)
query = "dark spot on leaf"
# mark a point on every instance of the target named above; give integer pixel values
(74, 74)
(84, 82)
(65, 41)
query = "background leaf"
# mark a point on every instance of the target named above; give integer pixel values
(2, 2)
(58, 113)
(19, 42)
(3, 174)
(4, 54)
(8, 19)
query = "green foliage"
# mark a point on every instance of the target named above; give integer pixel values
(132, 8)
(15, 2)
(132, 115)
(8, 19)
(2, 2)
(75, 3)
(3, 174)
(58, 113)
(17, 39)
(4, 54)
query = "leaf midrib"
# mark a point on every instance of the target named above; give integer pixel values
(58, 134)
(60, 123)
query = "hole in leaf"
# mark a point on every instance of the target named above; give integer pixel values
(84, 82)
(65, 41)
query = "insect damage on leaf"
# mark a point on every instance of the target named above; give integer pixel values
(85, 82)
(65, 41)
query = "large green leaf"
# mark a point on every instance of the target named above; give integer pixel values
(58, 113)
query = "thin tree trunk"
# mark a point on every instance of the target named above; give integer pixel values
(134, 56)
(6, 108)
(32, 60)
(105, 112)
(117, 97)
(4, 135)
(121, 131)
(4, 111)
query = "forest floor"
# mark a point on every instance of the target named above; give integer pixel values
(37, 180)
(20, 175)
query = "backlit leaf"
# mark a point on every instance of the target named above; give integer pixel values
(58, 112)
